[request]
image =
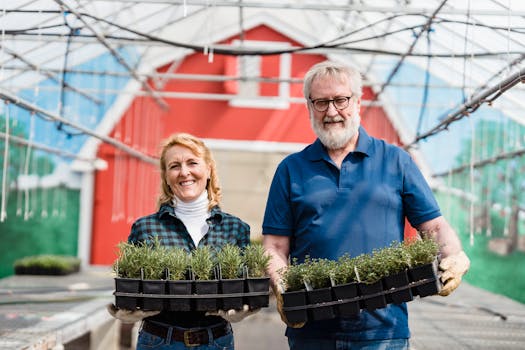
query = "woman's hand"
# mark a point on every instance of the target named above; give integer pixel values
(234, 315)
(129, 316)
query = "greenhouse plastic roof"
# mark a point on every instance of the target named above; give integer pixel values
(431, 63)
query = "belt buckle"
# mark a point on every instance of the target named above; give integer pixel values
(187, 340)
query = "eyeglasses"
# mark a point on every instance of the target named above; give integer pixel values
(340, 102)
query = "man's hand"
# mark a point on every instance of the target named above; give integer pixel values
(453, 267)
(279, 301)
(129, 316)
(233, 315)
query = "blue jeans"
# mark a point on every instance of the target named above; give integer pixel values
(335, 344)
(147, 341)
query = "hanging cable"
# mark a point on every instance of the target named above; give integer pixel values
(147, 38)
(32, 108)
(50, 76)
(2, 40)
(471, 178)
(465, 44)
(3, 211)
(426, 86)
(486, 96)
(118, 57)
(472, 132)
(488, 200)
(508, 190)
(72, 32)
(488, 161)
(58, 151)
(19, 193)
(409, 51)
(27, 162)
(325, 45)
(45, 168)
(508, 33)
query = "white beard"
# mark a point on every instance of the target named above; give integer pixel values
(336, 139)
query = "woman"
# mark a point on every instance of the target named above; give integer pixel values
(189, 215)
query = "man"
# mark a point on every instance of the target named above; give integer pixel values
(350, 193)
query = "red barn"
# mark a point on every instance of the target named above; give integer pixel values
(250, 119)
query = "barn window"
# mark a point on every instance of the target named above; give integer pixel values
(262, 81)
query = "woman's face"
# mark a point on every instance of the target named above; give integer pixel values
(186, 173)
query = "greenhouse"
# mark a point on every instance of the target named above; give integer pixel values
(91, 88)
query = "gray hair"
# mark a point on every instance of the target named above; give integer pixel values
(335, 70)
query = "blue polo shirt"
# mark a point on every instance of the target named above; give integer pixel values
(328, 211)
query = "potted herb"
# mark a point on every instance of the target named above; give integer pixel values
(229, 260)
(396, 283)
(47, 264)
(154, 267)
(344, 286)
(202, 266)
(370, 270)
(177, 266)
(294, 297)
(423, 272)
(128, 269)
(317, 273)
(256, 261)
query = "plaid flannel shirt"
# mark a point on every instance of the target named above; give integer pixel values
(224, 228)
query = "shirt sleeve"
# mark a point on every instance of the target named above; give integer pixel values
(419, 202)
(278, 213)
(244, 235)
(134, 234)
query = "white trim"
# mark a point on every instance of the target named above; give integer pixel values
(107, 124)
(285, 73)
(254, 146)
(269, 103)
(85, 223)
(251, 101)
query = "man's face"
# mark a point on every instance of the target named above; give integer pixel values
(335, 127)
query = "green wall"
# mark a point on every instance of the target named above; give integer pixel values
(55, 234)
(503, 275)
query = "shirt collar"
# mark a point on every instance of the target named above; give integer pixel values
(168, 209)
(364, 141)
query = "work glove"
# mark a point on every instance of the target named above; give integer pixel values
(453, 267)
(129, 316)
(233, 315)
(279, 302)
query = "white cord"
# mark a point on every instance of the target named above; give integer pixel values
(3, 212)
(2, 39)
(27, 212)
(472, 148)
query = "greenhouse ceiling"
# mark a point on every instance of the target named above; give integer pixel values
(431, 63)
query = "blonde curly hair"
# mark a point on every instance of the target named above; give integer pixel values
(198, 148)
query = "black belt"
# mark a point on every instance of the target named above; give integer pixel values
(190, 337)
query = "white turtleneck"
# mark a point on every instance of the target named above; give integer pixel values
(194, 215)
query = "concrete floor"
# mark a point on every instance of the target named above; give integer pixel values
(469, 318)
(261, 331)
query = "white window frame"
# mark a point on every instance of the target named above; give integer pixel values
(248, 91)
